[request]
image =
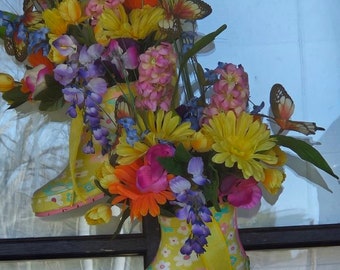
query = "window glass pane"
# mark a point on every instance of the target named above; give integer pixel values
(120, 263)
(295, 43)
(302, 259)
(275, 41)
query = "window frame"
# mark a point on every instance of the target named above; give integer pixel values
(146, 243)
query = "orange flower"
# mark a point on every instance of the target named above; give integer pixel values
(132, 4)
(140, 203)
(38, 58)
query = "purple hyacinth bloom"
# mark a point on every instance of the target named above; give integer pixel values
(93, 121)
(65, 74)
(257, 108)
(92, 111)
(66, 45)
(193, 208)
(88, 148)
(205, 214)
(122, 54)
(179, 184)
(200, 229)
(100, 132)
(88, 55)
(191, 112)
(73, 95)
(192, 244)
(195, 167)
(71, 111)
(97, 85)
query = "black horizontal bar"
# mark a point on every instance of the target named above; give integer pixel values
(291, 237)
(142, 245)
(72, 247)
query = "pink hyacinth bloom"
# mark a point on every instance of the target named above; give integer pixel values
(230, 92)
(152, 177)
(243, 193)
(95, 8)
(157, 70)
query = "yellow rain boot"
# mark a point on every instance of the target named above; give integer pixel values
(75, 186)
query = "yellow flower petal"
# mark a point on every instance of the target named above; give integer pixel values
(6, 82)
(242, 141)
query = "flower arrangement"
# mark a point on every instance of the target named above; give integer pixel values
(182, 138)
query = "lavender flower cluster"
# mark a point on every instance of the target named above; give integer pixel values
(83, 76)
(193, 206)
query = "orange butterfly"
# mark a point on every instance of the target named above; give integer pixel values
(176, 10)
(16, 39)
(282, 107)
(122, 110)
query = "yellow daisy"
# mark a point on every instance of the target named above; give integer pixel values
(161, 126)
(242, 141)
(138, 25)
(168, 127)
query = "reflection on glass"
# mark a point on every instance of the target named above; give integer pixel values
(119, 263)
(280, 42)
(275, 42)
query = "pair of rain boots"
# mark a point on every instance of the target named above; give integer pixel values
(75, 187)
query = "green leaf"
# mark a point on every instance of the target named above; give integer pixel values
(177, 164)
(210, 191)
(124, 217)
(173, 166)
(82, 33)
(200, 44)
(182, 154)
(51, 105)
(15, 97)
(51, 97)
(306, 152)
(165, 212)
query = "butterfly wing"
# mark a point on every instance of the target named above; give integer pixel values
(177, 10)
(20, 47)
(191, 9)
(281, 103)
(282, 106)
(307, 128)
(122, 108)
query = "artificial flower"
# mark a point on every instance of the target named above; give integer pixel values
(156, 81)
(6, 82)
(117, 23)
(241, 141)
(244, 193)
(167, 126)
(99, 214)
(140, 203)
(34, 79)
(135, 4)
(273, 180)
(71, 11)
(105, 175)
(152, 177)
(54, 21)
(175, 136)
(200, 142)
(230, 91)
